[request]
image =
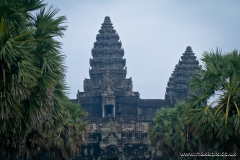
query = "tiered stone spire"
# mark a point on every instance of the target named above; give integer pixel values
(108, 69)
(178, 84)
(107, 54)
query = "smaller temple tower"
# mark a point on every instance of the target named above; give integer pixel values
(178, 84)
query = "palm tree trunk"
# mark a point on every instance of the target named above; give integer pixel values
(1, 156)
(237, 144)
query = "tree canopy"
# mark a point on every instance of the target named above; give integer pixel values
(34, 108)
(205, 126)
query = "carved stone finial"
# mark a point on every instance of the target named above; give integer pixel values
(107, 18)
(189, 49)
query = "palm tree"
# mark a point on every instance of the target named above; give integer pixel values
(170, 132)
(217, 123)
(71, 133)
(32, 87)
(62, 136)
(18, 72)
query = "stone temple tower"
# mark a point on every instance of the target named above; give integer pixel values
(178, 84)
(107, 90)
(118, 119)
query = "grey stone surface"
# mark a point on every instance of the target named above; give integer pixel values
(178, 84)
(118, 118)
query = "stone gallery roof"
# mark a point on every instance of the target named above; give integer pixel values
(152, 102)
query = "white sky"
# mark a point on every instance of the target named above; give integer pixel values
(154, 34)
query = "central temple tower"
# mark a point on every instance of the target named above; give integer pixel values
(107, 56)
(108, 87)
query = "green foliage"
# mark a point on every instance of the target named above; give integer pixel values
(34, 107)
(71, 133)
(213, 127)
(217, 124)
(170, 132)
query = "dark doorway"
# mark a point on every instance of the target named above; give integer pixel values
(112, 152)
(109, 110)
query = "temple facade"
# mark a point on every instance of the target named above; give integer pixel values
(118, 118)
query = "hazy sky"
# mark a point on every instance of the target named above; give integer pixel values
(154, 34)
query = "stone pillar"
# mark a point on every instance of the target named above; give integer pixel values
(114, 110)
(103, 111)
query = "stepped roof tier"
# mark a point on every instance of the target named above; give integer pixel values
(108, 67)
(178, 84)
(107, 53)
(118, 118)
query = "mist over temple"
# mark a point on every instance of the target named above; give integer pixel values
(118, 118)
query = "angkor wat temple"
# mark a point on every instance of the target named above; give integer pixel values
(118, 118)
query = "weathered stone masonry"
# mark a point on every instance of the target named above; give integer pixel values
(118, 118)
